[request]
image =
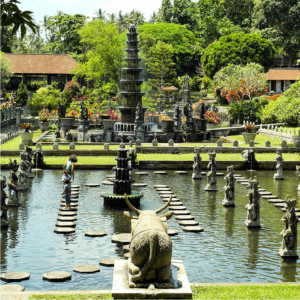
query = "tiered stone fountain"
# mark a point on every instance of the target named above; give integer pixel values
(122, 183)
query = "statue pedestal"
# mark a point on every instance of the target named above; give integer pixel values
(83, 128)
(121, 289)
(210, 188)
(288, 254)
(252, 224)
(228, 202)
(278, 176)
(196, 176)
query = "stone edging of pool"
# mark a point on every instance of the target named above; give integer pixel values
(25, 295)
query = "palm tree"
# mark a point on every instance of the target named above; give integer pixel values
(112, 18)
(100, 14)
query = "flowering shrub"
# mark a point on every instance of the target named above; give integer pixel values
(83, 98)
(272, 98)
(162, 117)
(212, 117)
(114, 115)
(72, 113)
(70, 91)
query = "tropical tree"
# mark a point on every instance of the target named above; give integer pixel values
(100, 14)
(5, 70)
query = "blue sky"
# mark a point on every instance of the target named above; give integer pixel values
(87, 7)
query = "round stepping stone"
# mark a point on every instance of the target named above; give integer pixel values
(127, 255)
(72, 201)
(11, 288)
(75, 186)
(72, 204)
(95, 233)
(65, 224)
(141, 173)
(176, 203)
(108, 262)
(74, 196)
(265, 193)
(86, 269)
(237, 175)
(172, 232)
(192, 228)
(276, 201)
(14, 276)
(126, 248)
(186, 217)
(166, 192)
(57, 276)
(261, 190)
(64, 230)
(177, 207)
(280, 204)
(163, 189)
(74, 189)
(139, 184)
(180, 172)
(167, 196)
(122, 238)
(269, 197)
(67, 213)
(220, 174)
(244, 183)
(173, 199)
(181, 212)
(160, 186)
(242, 180)
(66, 219)
(74, 193)
(68, 209)
(188, 223)
(160, 172)
(111, 176)
(107, 183)
(93, 184)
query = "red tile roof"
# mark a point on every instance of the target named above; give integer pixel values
(283, 74)
(41, 63)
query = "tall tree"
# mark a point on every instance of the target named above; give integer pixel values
(100, 14)
(279, 22)
(166, 11)
(5, 70)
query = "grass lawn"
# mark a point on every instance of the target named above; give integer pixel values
(14, 144)
(247, 292)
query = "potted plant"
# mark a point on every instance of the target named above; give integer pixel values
(108, 124)
(212, 119)
(44, 119)
(250, 133)
(167, 123)
(26, 135)
(153, 118)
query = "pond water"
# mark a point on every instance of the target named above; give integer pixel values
(225, 252)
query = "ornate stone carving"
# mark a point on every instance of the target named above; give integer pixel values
(84, 114)
(212, 174)
(4, 222)
(279, 164)
(22, 175)
(197, 165)
(150, 248)
(229, 188)
(253, 207)
(177, 116)
(188, 112)
(13, 165)
(289, 233)
(13, 189)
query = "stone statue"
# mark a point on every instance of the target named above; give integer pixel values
(289, 233)
(177, 116)
(13, 190)
(132, 155)
(4, 222)
(188, 112)
(84, 114)
(22, 176)
(28, 159)
(197, 165)
(201, 110)
(229, 188)
(38, 158)
(150, 248)
(61, 110)
(253, 208)
(139, 114)
(279, 163)
(212, 174)
(13, 165)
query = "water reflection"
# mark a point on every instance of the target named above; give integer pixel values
(229, 221)
(288, 269)
(252, 235)
(211, 205)
(279, 187)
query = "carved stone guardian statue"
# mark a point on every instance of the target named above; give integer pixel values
(279, 163)
(84, 114)
(197, 165)
(229, 188)
(22, 176)
(289, 233)
(253, 207)
(212, 174)
(13, 190)
(177, 116)
(4, 222)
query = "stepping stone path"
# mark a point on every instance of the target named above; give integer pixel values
(220, 174)
(122, 238)
(110, 176)
(160, 186)
(180, 172)
(160, 172)
(107, 183)
(167, 196)
(192, 228)
(265, 193)
(261, 190)
(86, 269)
(11, 288)
(175, 203)
(173, 199)
(172, 232)
(163, 189)
(181, 212)
(57, 276)
(95, 233)
(269, 197)
(177, 207)
(126, 248)
(93, 184)
(65, 224)
(14, 276)
(141, 173)
(276, 201)
(67, 213)
(64, 230)
(280, 204)
(72, 204)
(187, 217)
(165, 192)
(66, 219)
(75, 186)
(188, 223)
(108, 262)
(72, 201)
(69, 209)
(139, 184)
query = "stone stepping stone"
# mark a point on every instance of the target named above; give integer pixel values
(172, 232)
(122, 238)
(86, 269)
(72, 201)
(110, 176)
(163, 189)
(167, 196)
(108, 262)
(297, 214)
(261, 190)
(186, 217)
(203, 173)
(280, 204)
(242, 180)
(244, 183)
(180, 172)
(220, 174)
(95, 233)
(74, 189)
(192, 228)
(65, 224)
(74, 196)
(67, 213)
(72, 204)
(139, 184)
(181, 212)
(74, 193)
(92, 184)
(107, 183)
(173, 199)
(160, 172)
(269, 197)
(276, 201)
(68, 209)
(11, 288)
(126, 248)
(75, 186)
(265, 193)
(127, 255)
(64, 230)
(14, 276)
(237, 175)
(165, 192)
(176, 203)
(188, 223)
(57, 276)
(66, 219)
(177, 208)
(160, 186)
(141, 173)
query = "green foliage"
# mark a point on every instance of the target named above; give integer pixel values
(35, 84)
(22, 94)
(106, 90)
(5, 70)
(238, 49)
(285, 109)
(70, 91)
(43, 98)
